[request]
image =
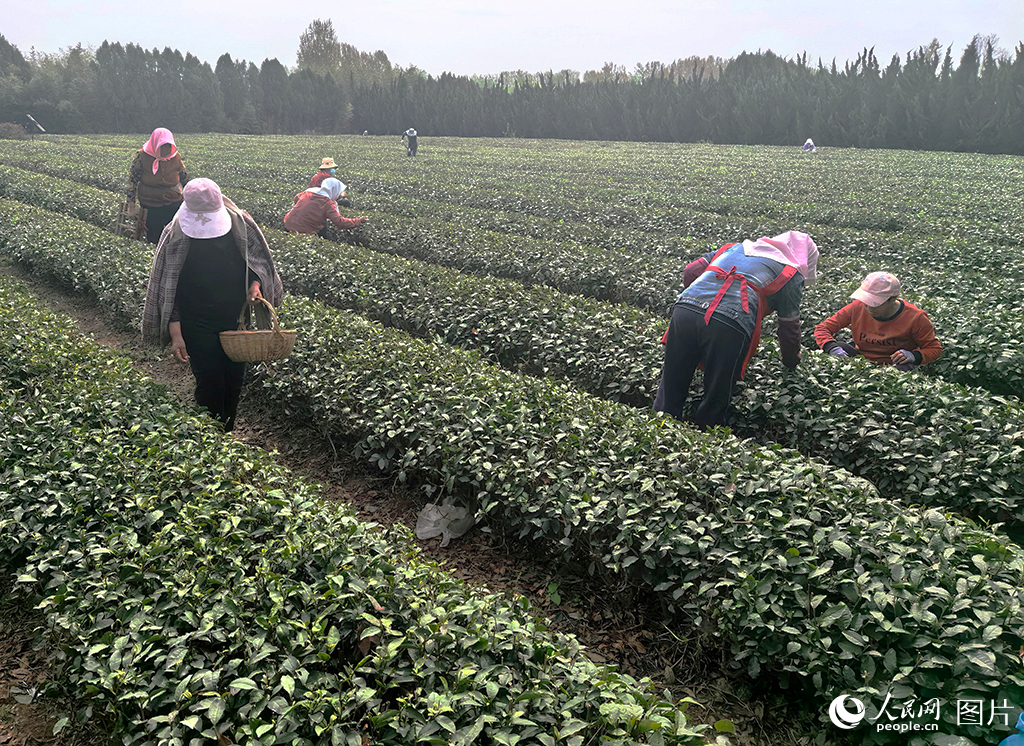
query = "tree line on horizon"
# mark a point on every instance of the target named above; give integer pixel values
(922, 102)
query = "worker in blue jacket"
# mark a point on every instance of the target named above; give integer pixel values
(716, 322)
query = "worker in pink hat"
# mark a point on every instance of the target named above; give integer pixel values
(156, 177)
(885, 329)
(212, 258)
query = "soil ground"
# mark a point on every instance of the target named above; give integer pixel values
(615, 629)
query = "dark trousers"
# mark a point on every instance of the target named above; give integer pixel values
(719, 346)
(219, 379)
(411, 147)
(157, 219)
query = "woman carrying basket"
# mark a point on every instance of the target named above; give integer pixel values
(210, 261)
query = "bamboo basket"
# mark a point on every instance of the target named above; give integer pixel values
(257, 345)
(129, 222)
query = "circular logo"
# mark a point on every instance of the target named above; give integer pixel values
(845, 718)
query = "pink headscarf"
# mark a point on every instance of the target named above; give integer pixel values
(793, 248)
(160, 137)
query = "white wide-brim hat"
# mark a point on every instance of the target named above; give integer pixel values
(202, 214)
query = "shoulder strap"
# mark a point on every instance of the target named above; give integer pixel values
(721, 251)
(776, 285)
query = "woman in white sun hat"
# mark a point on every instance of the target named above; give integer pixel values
(212, 258)
(314, 207)
(885, 329)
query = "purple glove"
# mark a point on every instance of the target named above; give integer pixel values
(839, 352)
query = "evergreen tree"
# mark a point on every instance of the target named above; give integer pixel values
(15, 73)
(921, 101)
(319, 49)
(234, 92)
(204, 108)
(273, 83)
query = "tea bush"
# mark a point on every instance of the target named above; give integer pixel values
(801, 570)
(931, 443)
(59, 195)
(200, 593)
(950, 276)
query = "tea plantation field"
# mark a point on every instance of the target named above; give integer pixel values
(492, 335)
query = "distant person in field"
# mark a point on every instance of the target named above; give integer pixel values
(885, 329)
(156, 177)
(211, 260)
(409, 137)
(716, 322)
(317, 205)
(809, 146)
(328, 168)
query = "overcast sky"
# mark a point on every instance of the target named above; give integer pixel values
(486, 36)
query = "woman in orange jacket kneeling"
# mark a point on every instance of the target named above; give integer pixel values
(886, 330)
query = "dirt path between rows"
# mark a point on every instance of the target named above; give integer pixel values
(615, 630)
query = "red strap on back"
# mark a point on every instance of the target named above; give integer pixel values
(721, 251)
(770, 289)
(776, 285)
(728, 276)
(664, 337)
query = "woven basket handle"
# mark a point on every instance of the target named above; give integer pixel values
(273, 315)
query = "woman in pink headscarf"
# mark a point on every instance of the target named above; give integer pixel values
(157, 177)
(716, 322)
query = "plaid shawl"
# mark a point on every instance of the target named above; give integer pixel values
(170, 256)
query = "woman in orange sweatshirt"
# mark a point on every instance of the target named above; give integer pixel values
(886, 330)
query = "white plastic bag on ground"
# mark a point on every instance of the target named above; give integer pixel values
(447, 520)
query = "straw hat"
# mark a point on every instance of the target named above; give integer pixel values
(328, 163)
